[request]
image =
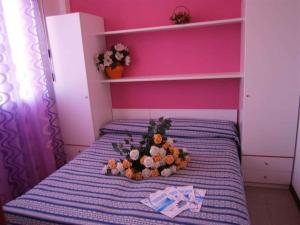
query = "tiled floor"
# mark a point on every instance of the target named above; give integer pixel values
(268, 206)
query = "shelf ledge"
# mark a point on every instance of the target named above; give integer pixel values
(173, 27)
(174, 77)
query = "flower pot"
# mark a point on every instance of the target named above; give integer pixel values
(114, 73)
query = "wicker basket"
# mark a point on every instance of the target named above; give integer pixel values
(180, 15)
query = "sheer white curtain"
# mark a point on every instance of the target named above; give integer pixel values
(30, 144)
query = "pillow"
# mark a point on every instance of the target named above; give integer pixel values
(187, 128)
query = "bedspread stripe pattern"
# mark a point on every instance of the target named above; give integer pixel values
(79, 194)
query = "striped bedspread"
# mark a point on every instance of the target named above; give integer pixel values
(79, 194)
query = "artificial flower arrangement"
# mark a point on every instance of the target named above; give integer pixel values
(155, 156)
(180, 15)
(113, 60)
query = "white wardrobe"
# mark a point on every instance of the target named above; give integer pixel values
(83, 102)
(269, 92)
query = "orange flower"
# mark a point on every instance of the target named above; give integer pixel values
(175, 153)
(129, 173)
(154, 173)
(112, 164)
(174, 149)
(169, 159)
(138, 176)
(157, 138)
(127, 164)
(178, 161)
(156, 158)
(142, 160)
(182, 165)
(166, 146)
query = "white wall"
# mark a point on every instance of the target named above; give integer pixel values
(55, 7)
(296, 174)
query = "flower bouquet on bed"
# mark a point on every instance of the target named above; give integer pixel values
(156, 154)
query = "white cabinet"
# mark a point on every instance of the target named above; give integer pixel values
(271, 170)
(296, 174)
(270, 95)
(83, 102)
(73, 150)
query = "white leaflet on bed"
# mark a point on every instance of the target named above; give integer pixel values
(169, 203)
(199, 198)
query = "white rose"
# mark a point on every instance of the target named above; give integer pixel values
(120, 47)
(127, 60)
(166, 172)
(148, 162)
(120, 166)
(162, 152)
(114, 171)
(170, 141)
(107, 62)
(119, 56)
(104, 169)
(134, 154)
(154, 150)
(107, 54)
(146, 173)
(101, 67)
(173, 169)
(185, 150)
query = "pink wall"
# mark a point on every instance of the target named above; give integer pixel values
(207, 94)
(199, 50)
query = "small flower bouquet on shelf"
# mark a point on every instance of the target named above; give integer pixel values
(112, 62)
(181, 15)
(156, 154)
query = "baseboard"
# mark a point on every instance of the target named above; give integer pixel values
(297, 200)
(278, 186)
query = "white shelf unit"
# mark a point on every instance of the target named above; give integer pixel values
(177, 77)
(83, 103)
(173, 27)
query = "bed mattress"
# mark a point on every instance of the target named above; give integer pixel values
(79, 194)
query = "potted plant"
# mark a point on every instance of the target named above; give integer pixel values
(112, 62)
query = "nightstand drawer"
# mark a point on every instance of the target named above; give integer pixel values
(272, 170)
(268, 177)
(267, 163)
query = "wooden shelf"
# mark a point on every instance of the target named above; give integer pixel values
(174, 77)
(173, 27)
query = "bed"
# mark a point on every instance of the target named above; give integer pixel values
(79, 194)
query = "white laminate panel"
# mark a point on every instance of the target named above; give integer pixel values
(72, 151)
(221, 114)
(268, 177)
(99, 93)
(70, 85)
(267, 164)
(270, 98)
(296, 172)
